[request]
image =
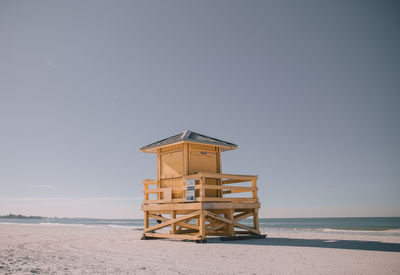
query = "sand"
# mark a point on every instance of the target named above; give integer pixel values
(63, 249)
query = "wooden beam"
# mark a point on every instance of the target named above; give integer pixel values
(248, 228)
(242, 178)
(202, 189)
(228, 176)
(180, 224)
(205, 205)
(173, 226)
(172, 236)
(185, 159)
(230, 199)
(216, 227)
(242, 216)
(255, 220)
(232, 181)
(202, 225)
(146, 195)
(254, 185)
(158, 173)
(146, 219)
(166, 201)
(172, 206)
(244, 188)
(148, 181)
(169, 222)
(231, 205)
(230, 227)
(235, 191)
(215, 216)
(236, 224)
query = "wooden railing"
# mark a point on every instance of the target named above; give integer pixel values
(225, 184)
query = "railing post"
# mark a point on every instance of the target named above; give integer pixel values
(202, 188)
(146, 189)
(254, 187)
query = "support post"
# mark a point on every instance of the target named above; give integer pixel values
(173, 226)
(255, 220)
(146, 219)
(230, 227)
(202, 226)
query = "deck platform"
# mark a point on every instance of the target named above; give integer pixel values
(222, 216)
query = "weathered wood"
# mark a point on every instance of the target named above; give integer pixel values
(229, 176)
(180, 224)
(255, 220)
(239, 206)
(216, 227)
(215, 216)
(236, 224)
(222, 176)
(158, 171)
(234, 191)
(173, 226)
(146, 219)
(159, 190)
(242, 216)
(231, 205)
(254, 185)
(173, 206)
(185, 159)
(248, 228)
(169, 222)
(149, 181)
(230, 227)
(202, 188)
(165, 201)
(243, 188)
(230, 199)
(172, 236)
(202, 225)
(232, 181)
(214, 213)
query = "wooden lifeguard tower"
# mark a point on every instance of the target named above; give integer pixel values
(192, 199)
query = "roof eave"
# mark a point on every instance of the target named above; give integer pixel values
(155, 148)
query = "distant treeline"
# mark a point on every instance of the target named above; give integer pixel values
(12, 216)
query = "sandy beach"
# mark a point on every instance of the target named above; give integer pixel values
(69, 249)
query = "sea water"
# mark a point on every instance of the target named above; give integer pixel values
(389, 226)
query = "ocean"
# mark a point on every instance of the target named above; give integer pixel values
(367, 226)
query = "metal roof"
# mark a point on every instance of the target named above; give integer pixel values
(191, 137)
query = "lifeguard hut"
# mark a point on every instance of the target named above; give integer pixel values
(191, 198)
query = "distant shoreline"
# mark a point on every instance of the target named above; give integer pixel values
(348, 226)
(22, 217)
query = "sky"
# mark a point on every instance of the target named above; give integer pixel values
(309, 90)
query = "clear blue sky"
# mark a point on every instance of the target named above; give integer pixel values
(309, 90)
